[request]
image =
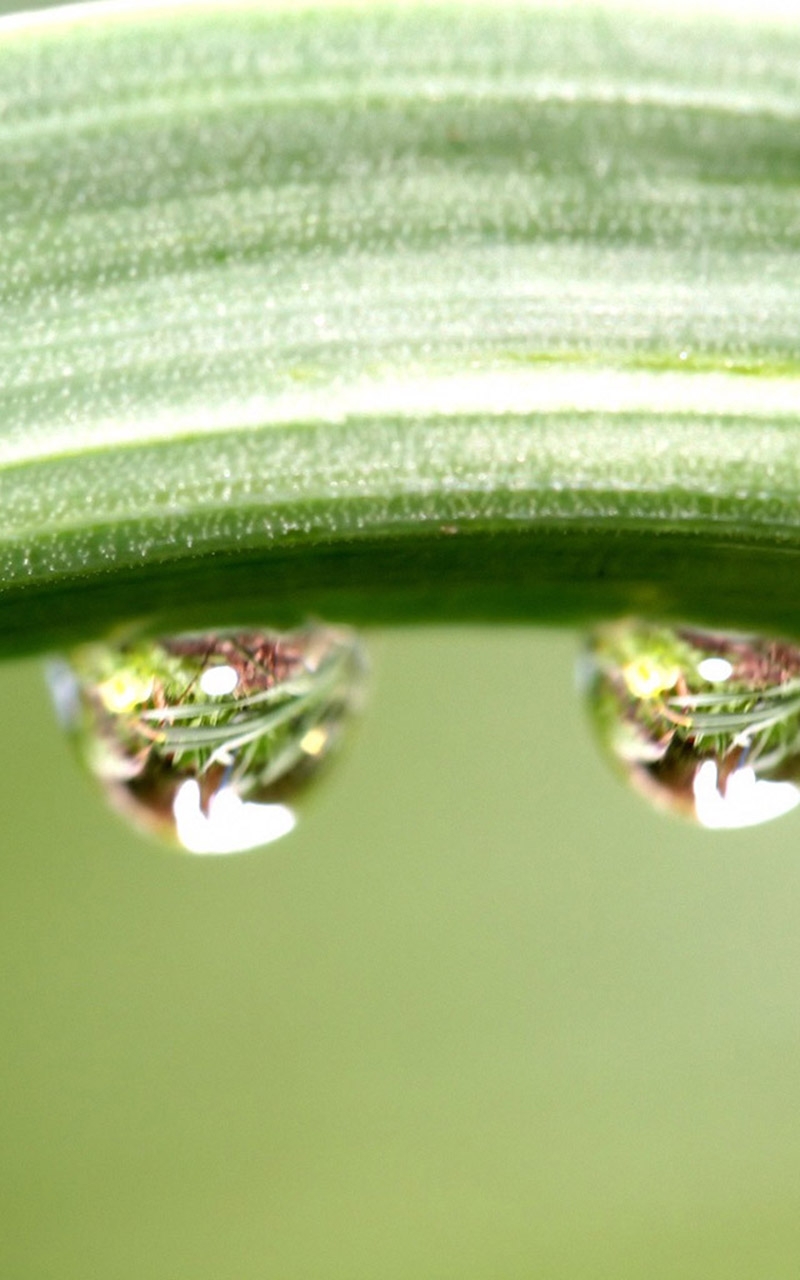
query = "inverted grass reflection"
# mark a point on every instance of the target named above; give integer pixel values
(207, 739)
(705, 724)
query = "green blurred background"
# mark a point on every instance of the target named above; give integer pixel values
(484, 1015)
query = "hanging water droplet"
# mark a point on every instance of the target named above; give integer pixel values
(206, 739)
(706, 724)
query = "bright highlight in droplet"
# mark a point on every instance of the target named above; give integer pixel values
(314, 742)
(217, 682)
(715, 670)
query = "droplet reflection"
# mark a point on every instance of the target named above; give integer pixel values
(706, 724)
(207, 739)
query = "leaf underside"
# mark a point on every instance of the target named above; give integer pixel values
(399, 313)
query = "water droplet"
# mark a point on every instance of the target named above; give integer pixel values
(703, 723)
(206, 739)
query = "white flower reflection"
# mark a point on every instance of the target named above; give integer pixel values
(231, 825)
(746, 800)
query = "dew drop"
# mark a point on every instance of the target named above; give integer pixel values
(207, 739)
(705, 724)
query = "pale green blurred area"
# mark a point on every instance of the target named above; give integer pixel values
(483, 1016)
(22, 6)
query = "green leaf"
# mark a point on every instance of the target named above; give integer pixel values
(397, 312)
